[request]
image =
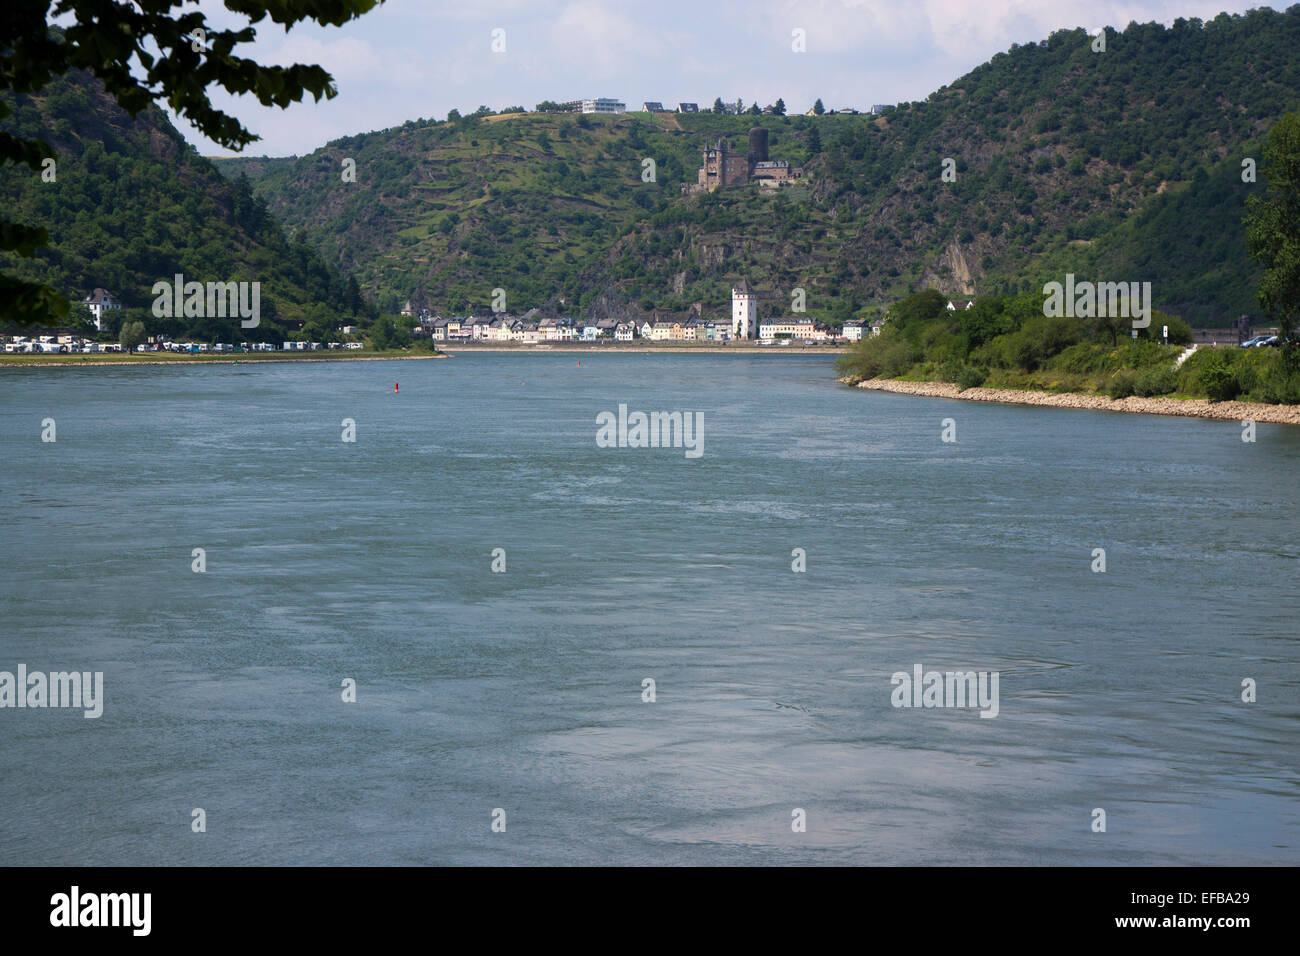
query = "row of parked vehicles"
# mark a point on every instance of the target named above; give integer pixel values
(1261, 341)
(54, 348)
(190, 348)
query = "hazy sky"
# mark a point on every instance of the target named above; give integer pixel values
(408, 59)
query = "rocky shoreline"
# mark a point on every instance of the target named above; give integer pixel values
(1185, 407)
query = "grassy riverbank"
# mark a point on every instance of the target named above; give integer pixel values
(1006, 343)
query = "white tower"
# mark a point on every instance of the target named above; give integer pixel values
(744, 312)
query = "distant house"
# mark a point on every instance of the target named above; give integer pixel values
(99, 303)
(590, 332)
(960, 306)
(653, 106)
(624, 332)
(646, 329)
(876, 326)
(603, 104)
(777, 328)
(406, 309)
(852, 330)
(350, 330)
(688, 107)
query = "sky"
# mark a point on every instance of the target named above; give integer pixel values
(411, 59)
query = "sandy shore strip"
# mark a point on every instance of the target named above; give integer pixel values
(1186, 407)
(66, 361)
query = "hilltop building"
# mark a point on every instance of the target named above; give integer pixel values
(600, 104)
(724, 167)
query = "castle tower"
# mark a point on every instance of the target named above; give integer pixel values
(744, 312)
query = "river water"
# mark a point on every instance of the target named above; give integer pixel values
(327, 561)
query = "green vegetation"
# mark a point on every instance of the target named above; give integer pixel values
(139, 54)
(133, 204)
(1273, 235)
(1006, 342)
(1116, 166)
(132, 334)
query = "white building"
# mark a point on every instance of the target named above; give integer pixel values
(852, 331)
(744, 312)
(99, 302)
(603, 104)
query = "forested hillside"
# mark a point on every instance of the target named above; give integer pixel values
(1125, 164)
(129, 203)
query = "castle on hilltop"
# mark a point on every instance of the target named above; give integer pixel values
(724, 167)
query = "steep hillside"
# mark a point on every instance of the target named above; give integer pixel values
(131, 204)
(1066, 159)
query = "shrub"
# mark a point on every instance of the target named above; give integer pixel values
(1122, 385)
(1087, 358)
(1218, 381)
(1156, 381)
(971, 377)
(1277, 388)
(949, 371)
(1039, 339)
(1245, 376)
(886, 356)
(1143, 353)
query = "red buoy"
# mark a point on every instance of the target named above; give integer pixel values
(394, 388)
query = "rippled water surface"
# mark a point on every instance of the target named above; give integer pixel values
(523, 690)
